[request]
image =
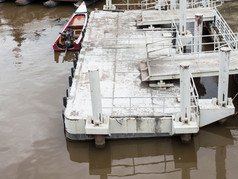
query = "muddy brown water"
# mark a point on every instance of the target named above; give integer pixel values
(32, 142)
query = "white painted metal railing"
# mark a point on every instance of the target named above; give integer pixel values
(207, 47)
(148, 4)
(194, 95)
(174, 4)
(226, 32)
(165, 105)
(164, 4)
(167, 43)
(145, 106)
(113, 38)
(204, 3)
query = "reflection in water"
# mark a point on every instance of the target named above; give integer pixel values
(220, 162)
(18, 16)
(207, 88)
(153, 157)
(61, 57)
(32, 141)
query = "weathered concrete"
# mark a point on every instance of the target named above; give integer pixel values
(114, 45)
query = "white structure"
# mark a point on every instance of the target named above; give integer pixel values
(198, 28)
(182, 17)
(185, 95)
(223, 76)
(124, 105)
(109, 5)
(95, 96)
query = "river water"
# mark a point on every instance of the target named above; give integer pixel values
(32, 142)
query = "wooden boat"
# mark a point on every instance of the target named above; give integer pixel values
(73, 33)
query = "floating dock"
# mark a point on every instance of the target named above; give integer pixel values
(125, 82)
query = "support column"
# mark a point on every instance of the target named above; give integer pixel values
(185, 95)
(95, 95)
(198, 27)
(183, 17)
(109, 5)
(223, 76)
(172, 4)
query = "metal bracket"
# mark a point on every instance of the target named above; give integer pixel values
(161, 84)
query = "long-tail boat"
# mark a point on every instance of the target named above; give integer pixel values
(73, 33)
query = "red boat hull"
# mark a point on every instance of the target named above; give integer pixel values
(77, 24)
(58, 49)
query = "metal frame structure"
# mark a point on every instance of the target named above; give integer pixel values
(126, 108)
(162, 4)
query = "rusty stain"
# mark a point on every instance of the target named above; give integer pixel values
(138, 124)
(157, 125)
(199, 19)
(16, 49)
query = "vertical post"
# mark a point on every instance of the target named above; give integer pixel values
(198, 26)
(95, 95)
(172, 4)
(159, 7)
(183, 17)
(109, 5)
(185, 95)
(208, 3)
(223, 76)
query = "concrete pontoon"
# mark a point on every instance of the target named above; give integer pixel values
(110, 95)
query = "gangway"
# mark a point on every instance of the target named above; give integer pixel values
(226, 32)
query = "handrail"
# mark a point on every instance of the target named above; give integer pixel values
(158, 4)
(168, 5)
(157, 104)
(225, 30)
(194, 96)
(160, 105)
(179, 46)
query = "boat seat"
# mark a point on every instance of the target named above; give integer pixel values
(75, 26)
(78, 31)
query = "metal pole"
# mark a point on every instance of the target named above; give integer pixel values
(223, 76)
(172, 4)
(183, 17)
(107, 4)
(185, 95)
(95, 95)
(198, 26)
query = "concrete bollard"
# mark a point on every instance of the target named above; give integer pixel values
(182, 17)
(185, 95)
(198, 27)
(223, 76)
(95, 95)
